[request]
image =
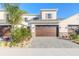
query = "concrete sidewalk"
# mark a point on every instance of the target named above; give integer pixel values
(39, 52)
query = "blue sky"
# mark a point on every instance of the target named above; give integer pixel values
(64, 9)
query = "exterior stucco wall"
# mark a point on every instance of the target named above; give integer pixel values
(3, 16)
(33, 30)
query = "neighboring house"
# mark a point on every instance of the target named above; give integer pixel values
(46, 23)
(4, 26)
(68, 25)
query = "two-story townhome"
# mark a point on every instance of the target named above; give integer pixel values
(46, 23)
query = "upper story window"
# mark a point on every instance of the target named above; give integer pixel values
(25, 19)
(7, 16)
(49, 16)
(36, 18)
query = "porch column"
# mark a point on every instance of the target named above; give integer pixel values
(33, 30)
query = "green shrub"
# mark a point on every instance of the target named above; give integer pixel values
(20, 34)
(74, 36)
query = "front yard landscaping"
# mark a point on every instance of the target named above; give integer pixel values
(18, 36)
(74, 36)
(21, 36)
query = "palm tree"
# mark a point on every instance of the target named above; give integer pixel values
(14, 17)
(14, 14)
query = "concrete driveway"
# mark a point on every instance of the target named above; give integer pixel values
(52, 42)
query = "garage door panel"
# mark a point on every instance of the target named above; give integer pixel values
(46, 30)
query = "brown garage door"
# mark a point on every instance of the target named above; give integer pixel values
(46, 30)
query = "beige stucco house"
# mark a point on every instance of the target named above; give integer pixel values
(68, 24)
(46, 23)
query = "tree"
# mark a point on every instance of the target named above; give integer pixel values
(14, 17)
